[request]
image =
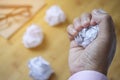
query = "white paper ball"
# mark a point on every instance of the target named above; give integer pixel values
(87, 35)
(33, 36)
(55, 15)
(39, 69)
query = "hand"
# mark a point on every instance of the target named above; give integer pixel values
(99, 53)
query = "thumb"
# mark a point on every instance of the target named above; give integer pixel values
(98, 15)
(104, 20)
(106, 26)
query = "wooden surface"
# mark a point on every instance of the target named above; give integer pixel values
(14, 56)
(14, 14)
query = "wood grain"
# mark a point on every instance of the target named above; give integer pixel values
(14, 14)
(14, 56)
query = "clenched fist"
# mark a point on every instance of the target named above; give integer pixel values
(99, 53)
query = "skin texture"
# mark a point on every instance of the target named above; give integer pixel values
(98, 55)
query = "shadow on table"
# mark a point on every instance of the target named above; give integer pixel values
(41, 47)
(53, 77)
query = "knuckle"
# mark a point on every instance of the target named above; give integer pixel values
(76, 19)
(85, 15)
(68, 27)
(107, 17)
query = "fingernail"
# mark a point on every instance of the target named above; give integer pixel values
(102, 11)
(76, 19)
(73, 31)
(99, 11)
(77, 24)
(85, 21)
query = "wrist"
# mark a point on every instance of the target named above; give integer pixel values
(100, 69)
(88, 75)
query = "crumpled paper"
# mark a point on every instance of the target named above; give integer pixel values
(33, 36)
(55, 15)
(87, 35)
(39, 69)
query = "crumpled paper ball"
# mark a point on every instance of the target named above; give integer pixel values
(40, 69)
(87, 35)
(55, 15)
(33, 36)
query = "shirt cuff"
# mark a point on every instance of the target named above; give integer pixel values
(88, 75)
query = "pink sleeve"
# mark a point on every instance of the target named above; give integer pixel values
(88, 75)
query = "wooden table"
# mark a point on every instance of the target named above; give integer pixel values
(14, 56)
